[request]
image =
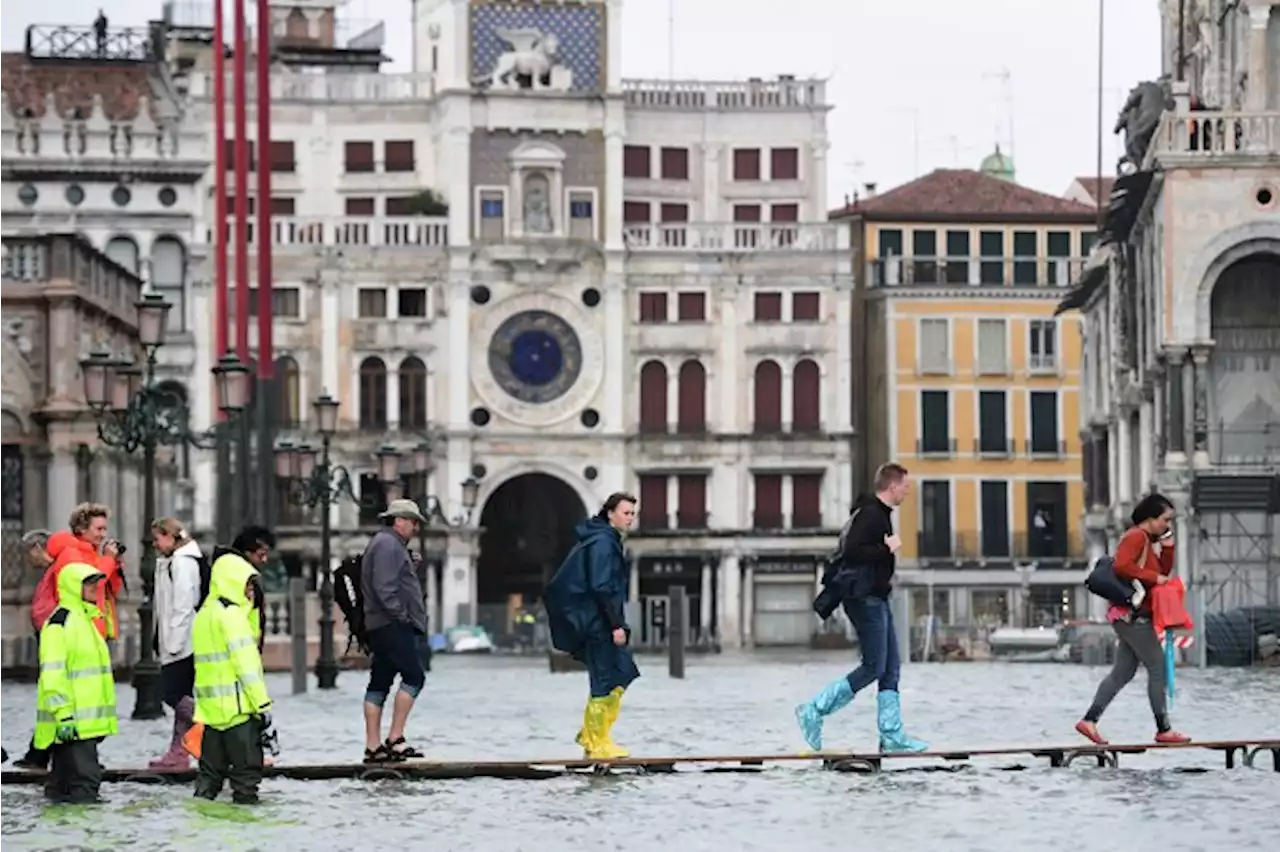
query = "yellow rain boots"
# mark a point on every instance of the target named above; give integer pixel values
(594, 737)
(615, 707)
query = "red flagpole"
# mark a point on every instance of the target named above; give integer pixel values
(242, 188)
(266, 358)
(220, 185)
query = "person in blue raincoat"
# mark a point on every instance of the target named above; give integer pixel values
(585, 601)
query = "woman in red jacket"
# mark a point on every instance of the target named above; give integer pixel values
(88, 534)
(1145, 555)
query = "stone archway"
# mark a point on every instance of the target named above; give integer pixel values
(1245, 324)
(528, 526)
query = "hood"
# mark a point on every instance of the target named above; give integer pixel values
(593, 528)
(70, 580)
(191, 548)
(228, 577)
(60, 542)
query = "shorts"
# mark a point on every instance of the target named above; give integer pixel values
(396, 650)
(178, 680)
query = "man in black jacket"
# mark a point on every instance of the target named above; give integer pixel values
(868, 555)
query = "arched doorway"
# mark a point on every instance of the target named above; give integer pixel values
(528, 528)
(1244, 312)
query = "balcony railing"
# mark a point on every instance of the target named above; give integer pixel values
(398, 231)
(50, 41)
(762, 95)
(1217, 134)
(893, 271)
(361, 88)
(1050, 449)
(994, 447)
(34, 261)
(1000, 545)
(935, 446)
(735, 236)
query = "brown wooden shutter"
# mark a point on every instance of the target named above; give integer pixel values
(768, 503)
(806, 501)
(691, 412)
(653, 502)
(653, 398)
(691, 489)
(768, 307)
(767, 392)
(806, 397)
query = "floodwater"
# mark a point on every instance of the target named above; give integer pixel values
(513, 707)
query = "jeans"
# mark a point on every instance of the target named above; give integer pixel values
(1138, 644)
(872, 620)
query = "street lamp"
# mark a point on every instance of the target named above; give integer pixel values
(319, 484)
(132, 412)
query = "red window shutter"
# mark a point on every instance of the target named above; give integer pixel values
(675, 163)
(692, 493)
(746, 212)
(784, 164)
(400, 205)
(653, 307)
(674, 212)
(635, 161)
(768, 505)
(768, 307)
(635, 212)
(653, 502)
(806, 397)
(398, 156)
(768, 397)
(653, 398)
(806, 501)
(784, 213)
(229, 151)
(281, 206)
(282, 156)
(691, 307)
(746, 164)
(359, 156)
(805, 307)
(359, 206)
(691, 411)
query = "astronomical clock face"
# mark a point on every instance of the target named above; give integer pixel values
(535, 356)
(539, 361)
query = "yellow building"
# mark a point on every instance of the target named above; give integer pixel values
(969, 380)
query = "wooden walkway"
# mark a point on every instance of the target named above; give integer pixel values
(1244, 752)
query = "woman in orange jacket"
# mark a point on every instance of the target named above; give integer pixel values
(1136, 560)
(87, 535)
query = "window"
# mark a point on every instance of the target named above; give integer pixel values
(413, 394)
(805, 307)
(124, 251)
(1043, 343)
(372, 303)
(890, 241)
(399, 205)
(1058, 248)
(281, 206)
(957, 257)
(1044, 422)
(359, 156)
(411, 302)
(282, 157)
(1088, 239)
(580, 207)
(994, 501)
(767, 512)
(691, 399)
(935, 422)
(635, 161)
(1024, 258)
(691, 307)
(784, 216)
(935, 346)
(373, 499)
(653, 307)
(359, 206)
(924, 248)
(653, 398)
(806, 501)
(674, 212)
(491, 205)
(285, 302)
(993, 420)
(675, 163)
(636, 212)
(767, 396)
(582, 218)
(691, 493)
(935, 518)
(768, 307)
(746, 164)
(991, 249)
(289, 388)
(168, 278)
(806, 397)
(373, 394)
(784, 164)
(992, 347)
(397, 155)
(493, 221)
(746, 212)
(229, 154)
(653, 502)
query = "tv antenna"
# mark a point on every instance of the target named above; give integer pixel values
(1005, 78)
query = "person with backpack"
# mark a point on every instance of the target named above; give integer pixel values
(585, 601)
(178, 588)
(394, 627)
(1144, 554)
(863, 580)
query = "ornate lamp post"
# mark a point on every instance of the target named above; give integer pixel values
(319, 485)
(133, 413)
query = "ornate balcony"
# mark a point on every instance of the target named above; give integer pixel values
(755, 95)
(1218, 135)
(325, 88)
(735, 236)
(351, 231)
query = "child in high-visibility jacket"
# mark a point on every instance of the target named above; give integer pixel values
(76, 703)
(231, 695)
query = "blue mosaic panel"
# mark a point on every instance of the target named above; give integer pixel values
(580, 30)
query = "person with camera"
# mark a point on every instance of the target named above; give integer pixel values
(861, 581)
(86, 543)
(1144, 555)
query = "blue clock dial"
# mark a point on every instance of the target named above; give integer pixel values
(535, 356)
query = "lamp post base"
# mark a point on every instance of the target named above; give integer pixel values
(146, 684)
(327, 674)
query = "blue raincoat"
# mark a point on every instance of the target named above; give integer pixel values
(585, 604)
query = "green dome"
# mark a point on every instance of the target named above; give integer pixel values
(998, 165)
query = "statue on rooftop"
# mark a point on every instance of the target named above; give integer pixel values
(1139, 118)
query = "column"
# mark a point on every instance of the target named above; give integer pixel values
(633, 586)
(62, 480)
(434, 610)
(706, 592)
(788, 500)
(612, 202)
(330, 320)
(616, 350)
(459, 393)
(748, 603)
(839, 382)
(393, 394)
(1124, 465)
(455, 596)
(1200, 407)
(1176, 409)
(788, 398)
(673, 395)
(1146, 446)
(726, 417)
(673, 500)
(1259, 69)
(729, 604)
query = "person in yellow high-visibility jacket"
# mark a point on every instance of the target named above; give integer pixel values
(231, 694)
(76, 703)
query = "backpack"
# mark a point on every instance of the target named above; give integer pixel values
(348, 594)
(206, 578)
(564, 589)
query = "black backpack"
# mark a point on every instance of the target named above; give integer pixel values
(348, 594)
(206, 578)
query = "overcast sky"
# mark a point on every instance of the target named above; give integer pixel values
(945, 78)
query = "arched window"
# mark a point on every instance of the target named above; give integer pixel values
(289, 388)
(124, 251)
(413, 394)
(767, 392)
(373, 393)
(172, 401)
(169, 278)
(691, 411)
(653, 398)
(806, 397)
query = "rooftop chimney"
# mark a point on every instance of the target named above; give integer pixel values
(869, 189)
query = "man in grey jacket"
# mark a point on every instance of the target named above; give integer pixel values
(395, 619)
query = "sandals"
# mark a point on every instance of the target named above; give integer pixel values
(381, 754)
(406, 753)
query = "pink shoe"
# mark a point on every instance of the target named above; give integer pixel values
(173, 761)
(1172, 738)
(1089, 730)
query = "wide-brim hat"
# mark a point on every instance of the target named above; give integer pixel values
(404, 509)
